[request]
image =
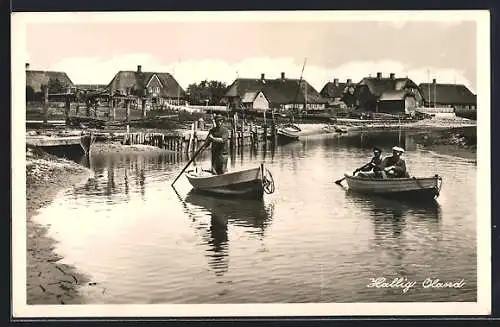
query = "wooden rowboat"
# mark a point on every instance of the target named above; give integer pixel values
(249, 183)
(288, 133)
(421, 188)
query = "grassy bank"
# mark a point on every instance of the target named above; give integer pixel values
(48, 280)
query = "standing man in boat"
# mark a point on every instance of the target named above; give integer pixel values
(219, 136)
(394, 166)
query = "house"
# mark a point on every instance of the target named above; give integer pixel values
(158, 88)
(456, 96)
(255, 101)
(391, 94)
(337, 92)
(281, 93)
(36, 80)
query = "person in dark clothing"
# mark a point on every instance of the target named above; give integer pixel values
(371, 168)
(394, 166)
(219, 136)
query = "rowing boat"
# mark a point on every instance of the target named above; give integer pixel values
(422, 187)
(249, 183)
(288, 133)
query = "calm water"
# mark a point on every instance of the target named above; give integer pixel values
(311, 241)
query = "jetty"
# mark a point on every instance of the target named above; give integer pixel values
(63, 145)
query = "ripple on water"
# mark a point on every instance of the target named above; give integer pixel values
(309, 242)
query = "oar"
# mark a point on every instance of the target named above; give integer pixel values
(339, 181)
(192, 159)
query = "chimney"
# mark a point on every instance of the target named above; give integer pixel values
(262, 76)
(349, 81)
(379, 75)
(433, 81)
(282, 75)
(336, 81)
(27, 65)
(392, 75)
(139, 68)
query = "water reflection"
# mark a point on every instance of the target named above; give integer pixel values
(253, 215)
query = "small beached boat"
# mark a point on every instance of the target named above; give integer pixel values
(414, 187)
(288, 133)
(249, 183)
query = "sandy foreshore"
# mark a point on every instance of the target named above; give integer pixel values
(117, 147)
(48, 280)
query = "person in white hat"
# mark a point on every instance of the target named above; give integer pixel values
(394, 166)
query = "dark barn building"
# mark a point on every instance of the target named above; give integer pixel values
(387, 94)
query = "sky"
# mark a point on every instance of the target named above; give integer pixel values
(92, 52)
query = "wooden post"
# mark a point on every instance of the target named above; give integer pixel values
(127, 111)
(88, 103)
(195, 135)
(45, 104)
(143, 107)
(190, 138)
(113, 109)
(67, 108)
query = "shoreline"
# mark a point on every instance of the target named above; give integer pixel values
(48, 280)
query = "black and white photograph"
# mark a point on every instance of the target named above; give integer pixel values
(304, 163)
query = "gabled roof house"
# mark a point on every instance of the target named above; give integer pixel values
(154, 85)
(456, 96)
(282, 93)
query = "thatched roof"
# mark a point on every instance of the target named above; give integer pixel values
(137, 81)
(277, 91)
(37, 78)
(335, 89)
(448, 93)
(379, 85)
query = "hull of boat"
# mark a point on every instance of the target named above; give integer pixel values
(428, 187)
(244, 184)
(286, 136)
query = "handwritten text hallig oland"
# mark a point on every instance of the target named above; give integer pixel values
(405, 284)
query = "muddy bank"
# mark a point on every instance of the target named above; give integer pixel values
(460, 142)
(48, 280)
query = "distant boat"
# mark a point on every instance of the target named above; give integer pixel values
(421, 188)
(249, 183)
(288, 133)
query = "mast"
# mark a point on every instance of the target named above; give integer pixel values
(434, 95)
(300, 81)
(178, 92)
(429, 86)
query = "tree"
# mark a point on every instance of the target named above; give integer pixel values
(213, 91)
(56, 86)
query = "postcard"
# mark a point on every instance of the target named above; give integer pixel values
(251, 164)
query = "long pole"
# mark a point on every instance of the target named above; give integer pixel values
(190, 161)
(434, 95)
(429, 88)
(300, 81)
